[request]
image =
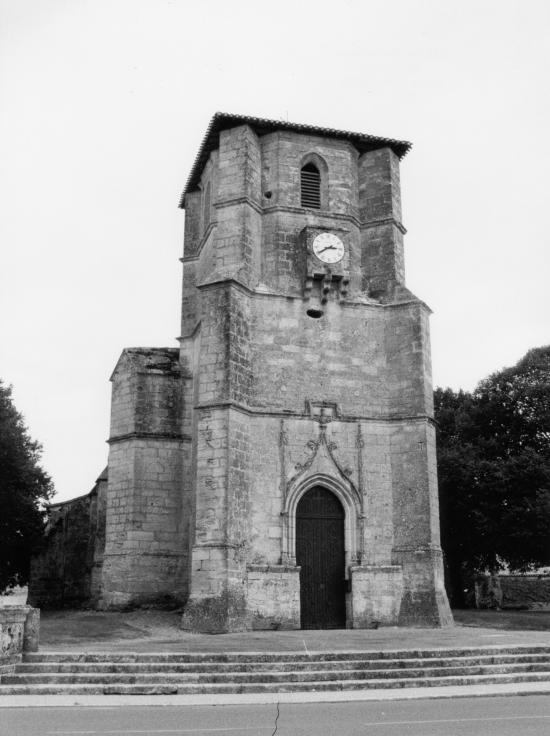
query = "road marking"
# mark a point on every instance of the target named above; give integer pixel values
(168, 730)
(305, 647)
(454, 720)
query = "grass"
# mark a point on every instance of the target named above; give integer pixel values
(506, 620)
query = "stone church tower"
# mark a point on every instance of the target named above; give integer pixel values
(279, 470)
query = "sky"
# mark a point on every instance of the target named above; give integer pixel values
(103, 105)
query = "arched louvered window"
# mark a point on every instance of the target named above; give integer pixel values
(310, 187)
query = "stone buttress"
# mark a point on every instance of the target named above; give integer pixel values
(147, 504)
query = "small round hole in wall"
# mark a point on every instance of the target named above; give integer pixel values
(268, 194)
(315, 313)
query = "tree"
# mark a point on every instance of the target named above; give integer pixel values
(494, 471)
(24, 488)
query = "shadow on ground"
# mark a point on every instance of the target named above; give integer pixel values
(68, 626)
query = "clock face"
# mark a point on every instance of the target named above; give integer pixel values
(328, 248)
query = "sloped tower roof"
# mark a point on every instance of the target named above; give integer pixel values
(261, 126)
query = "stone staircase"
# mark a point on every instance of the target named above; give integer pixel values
(192, 674)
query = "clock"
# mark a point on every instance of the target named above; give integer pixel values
(328, 248)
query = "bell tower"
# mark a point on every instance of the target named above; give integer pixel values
(306, 387)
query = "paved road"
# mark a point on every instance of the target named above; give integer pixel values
(528, 716)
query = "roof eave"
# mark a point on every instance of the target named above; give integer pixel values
(216, 125)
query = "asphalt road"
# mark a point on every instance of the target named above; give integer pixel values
(528, 716)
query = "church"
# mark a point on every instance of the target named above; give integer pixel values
(277, 470)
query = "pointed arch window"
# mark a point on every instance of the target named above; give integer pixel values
(310, 187)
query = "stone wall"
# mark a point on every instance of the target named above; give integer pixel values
(522, 591)
(147, 514)
(19, 632)
(66, 572)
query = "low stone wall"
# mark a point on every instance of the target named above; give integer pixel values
(529, 591)
(66, 571)
(19, 632)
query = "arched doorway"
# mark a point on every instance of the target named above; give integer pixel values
(320, 552)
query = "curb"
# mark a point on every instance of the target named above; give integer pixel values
(460, 691)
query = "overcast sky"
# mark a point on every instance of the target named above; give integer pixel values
(103, 107)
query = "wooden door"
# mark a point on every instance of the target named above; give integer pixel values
(321, 555)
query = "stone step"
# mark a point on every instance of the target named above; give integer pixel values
(351, 664)
(249, 672)
(271, 676)
(253, 657)
(282, 686)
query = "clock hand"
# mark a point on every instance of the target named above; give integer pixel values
(327, 247)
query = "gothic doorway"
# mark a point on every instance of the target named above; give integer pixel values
(320, 552)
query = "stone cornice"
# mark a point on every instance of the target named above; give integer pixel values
(384, 221)
(410, 302)
(223, 281)
(274, 208)
(327, 214)
(238, 200)
(162, 436)
(148, 553)
(215, 545)
(377, 568)
(191, 335)
(417, 548)
(220, 280)
(272, 568)
(252, 411)
(366, 225)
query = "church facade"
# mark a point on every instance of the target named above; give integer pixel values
(278, 469)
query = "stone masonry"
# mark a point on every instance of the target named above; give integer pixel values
(66, 571)
(214, 445)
